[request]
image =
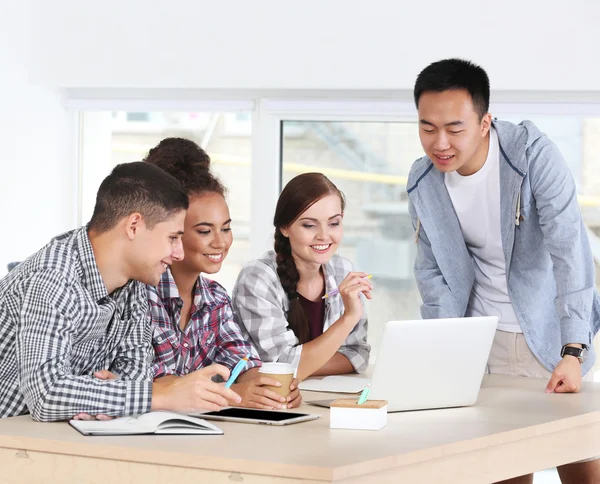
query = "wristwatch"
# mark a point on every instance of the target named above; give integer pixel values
(579, 353)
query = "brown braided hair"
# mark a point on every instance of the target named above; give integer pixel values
(299, 194)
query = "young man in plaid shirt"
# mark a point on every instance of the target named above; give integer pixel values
(75, 338)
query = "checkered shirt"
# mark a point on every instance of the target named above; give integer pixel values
(261, 307)
(211, 336)
(58, 326)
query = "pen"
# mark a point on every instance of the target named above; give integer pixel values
(364, 395)
(236, 371)
(337, 290)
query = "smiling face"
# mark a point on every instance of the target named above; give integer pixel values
(452, 135)
(207, 236)
(316, 234)
(153, 250)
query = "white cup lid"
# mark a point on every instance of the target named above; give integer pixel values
(275, 368)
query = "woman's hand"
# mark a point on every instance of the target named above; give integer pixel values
(294, 399)
(353, 285)
(255, 394)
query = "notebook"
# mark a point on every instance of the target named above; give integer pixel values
(148, 423)
(335, 384)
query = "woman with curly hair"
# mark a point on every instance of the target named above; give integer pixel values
(194, 326)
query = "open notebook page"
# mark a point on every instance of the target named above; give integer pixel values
(158, 422)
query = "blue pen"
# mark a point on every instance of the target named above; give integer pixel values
(364, 395)
(236, 371)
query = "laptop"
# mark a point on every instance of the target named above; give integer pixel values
(431, 363)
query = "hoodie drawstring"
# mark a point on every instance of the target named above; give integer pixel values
(417, 231)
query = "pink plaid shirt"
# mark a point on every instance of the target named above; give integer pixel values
(211, 336)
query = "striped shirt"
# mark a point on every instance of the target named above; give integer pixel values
(58, 325)
(261, 307)
(211, 336)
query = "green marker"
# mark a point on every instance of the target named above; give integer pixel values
(364, 395)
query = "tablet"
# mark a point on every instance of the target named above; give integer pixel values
(256, 416)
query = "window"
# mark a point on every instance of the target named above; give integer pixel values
(369, 162)
(238, 124)
(110, 138)
(365, 147)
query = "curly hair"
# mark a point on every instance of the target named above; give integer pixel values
(188, 163)
(298, 195)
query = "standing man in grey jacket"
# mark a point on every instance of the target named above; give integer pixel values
(499, 233)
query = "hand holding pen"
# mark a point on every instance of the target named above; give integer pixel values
(350, 289)
(337, 290)
(237, 369)
(193, 392)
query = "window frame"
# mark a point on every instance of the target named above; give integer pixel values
(268, 113)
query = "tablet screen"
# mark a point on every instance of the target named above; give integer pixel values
(253, 414)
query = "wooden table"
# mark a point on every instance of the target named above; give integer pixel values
(514, 429)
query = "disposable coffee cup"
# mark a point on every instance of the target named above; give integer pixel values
(282, 372)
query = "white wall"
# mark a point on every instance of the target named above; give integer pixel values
(313, 44)
(37, 171)
(263, 44)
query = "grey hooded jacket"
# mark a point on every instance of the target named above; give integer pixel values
(550, 269)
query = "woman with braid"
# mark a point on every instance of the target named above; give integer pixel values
(278, 298)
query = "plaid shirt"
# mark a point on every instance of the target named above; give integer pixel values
(261, 306)
(58, 326)
(211, 336)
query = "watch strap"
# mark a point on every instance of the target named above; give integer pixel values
(572, 351)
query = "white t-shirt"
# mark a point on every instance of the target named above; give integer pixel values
(476, 200)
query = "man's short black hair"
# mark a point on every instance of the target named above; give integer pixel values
(456, 74)
(137, 187)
